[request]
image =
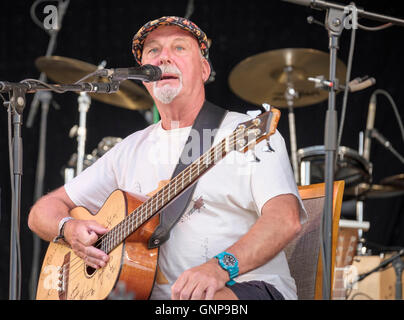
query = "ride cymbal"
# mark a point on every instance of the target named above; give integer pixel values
(265, 77)
(67, 71)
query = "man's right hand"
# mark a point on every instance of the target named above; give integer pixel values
(81, 235)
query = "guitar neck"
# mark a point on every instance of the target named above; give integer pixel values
(168, 193)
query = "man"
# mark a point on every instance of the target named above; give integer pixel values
(246, 213)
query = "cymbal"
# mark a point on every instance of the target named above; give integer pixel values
(373, 191)
(395, 181)
(264, 78)
(67, 71)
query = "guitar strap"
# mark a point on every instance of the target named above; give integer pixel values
(209, 118)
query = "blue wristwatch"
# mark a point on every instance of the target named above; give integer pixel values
(229, 263)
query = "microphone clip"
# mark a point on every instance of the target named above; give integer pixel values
(322, 83)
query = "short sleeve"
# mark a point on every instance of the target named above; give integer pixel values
(272, 175)
(93, 185)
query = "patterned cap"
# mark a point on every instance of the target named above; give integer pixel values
(183, 23)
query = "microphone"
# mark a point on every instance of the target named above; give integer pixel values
(370, 123)
(374, 133)
(354, 85)
(361, 83)
(145, 73)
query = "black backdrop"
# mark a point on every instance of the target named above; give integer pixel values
(102, 30)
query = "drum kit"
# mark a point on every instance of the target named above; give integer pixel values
(284, 78)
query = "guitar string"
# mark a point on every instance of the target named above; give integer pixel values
(227, 143)
(139, 215)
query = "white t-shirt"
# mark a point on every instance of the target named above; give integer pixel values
(231, 196)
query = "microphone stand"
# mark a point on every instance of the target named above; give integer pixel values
(17, 102)
(334, 25)
(398, 265)
(335, 22)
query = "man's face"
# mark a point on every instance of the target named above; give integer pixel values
(177, 52)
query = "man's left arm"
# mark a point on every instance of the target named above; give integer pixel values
(278, 224)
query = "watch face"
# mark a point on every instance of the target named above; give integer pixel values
(229, 260)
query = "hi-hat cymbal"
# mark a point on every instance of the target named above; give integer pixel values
(67, 71)
(264, 78)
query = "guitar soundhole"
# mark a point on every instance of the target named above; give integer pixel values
(90, 271)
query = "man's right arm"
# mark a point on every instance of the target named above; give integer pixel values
(44, 219)
(46, 213)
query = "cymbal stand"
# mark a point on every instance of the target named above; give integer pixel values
(84, 101)
(84, 104)
(290, 95)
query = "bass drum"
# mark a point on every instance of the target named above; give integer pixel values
(107, 143)
(350, 166)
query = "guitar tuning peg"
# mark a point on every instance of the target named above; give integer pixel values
(266, 106)
(267, 147)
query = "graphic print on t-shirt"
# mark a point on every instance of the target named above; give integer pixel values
(197, 205)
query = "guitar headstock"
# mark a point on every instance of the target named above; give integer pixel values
(255, 130)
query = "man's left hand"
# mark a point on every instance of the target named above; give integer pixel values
(201, 282)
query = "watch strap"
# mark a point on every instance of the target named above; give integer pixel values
(61, 228)
(233, 271)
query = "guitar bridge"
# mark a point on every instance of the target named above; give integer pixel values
(63, 278)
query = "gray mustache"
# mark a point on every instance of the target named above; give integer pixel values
(168, 68)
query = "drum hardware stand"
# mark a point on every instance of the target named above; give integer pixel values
(361, 250)
(290, 95)
(363, 225)
(84, 104)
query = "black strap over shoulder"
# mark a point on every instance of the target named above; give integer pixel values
(209, 118)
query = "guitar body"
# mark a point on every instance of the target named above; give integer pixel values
(65, 276)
